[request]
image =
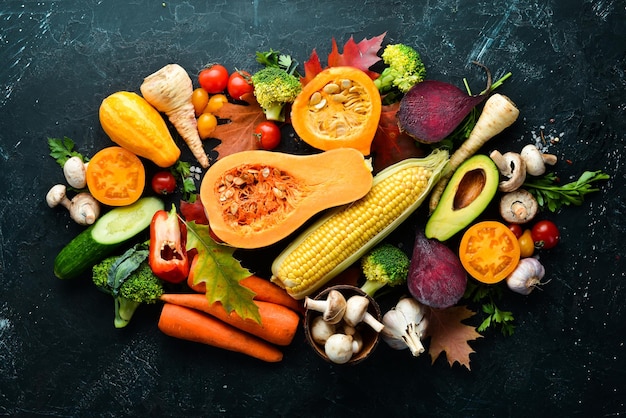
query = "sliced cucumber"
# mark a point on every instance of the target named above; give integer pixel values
(107, 234)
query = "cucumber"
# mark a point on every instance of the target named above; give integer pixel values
(107, 234)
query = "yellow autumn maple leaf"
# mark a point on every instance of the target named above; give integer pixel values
(215, 266)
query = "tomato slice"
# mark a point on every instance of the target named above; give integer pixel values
(489, 251)
(116, 176)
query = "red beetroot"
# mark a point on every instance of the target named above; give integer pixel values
(436, 276)
(433, 109)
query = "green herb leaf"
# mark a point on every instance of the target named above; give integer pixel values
(182, 170)
(62, 149)
(273, 58)
(552, 196)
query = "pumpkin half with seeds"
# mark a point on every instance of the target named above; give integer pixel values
(256, 198)
(340, 107)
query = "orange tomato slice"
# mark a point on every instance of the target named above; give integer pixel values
(489, 251)
(116, 176)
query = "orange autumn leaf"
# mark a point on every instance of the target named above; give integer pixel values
(448, 333)
(238, 133)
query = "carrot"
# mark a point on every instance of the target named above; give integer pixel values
(264, 290)
(278, 323)
(170, 91)
(192, 325)
(498, 114)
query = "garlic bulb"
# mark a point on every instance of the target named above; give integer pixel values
(404, 326)
(526, 276)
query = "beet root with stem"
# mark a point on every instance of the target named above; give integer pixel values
(432, 110)
(436, 276)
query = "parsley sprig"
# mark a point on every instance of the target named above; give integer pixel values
(274, 58)
(552, 196)
(62, 149)
(487, 296)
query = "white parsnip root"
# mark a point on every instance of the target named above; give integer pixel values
(498, 114)
(169, 90)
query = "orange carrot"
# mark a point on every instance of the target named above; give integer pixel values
(192, 325)
(170, 91)
(264, 290)
(278, 323)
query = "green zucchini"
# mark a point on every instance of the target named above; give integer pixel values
(107, 234)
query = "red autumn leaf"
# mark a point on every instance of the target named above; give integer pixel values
(238, 134)
(390, 145)
(360, 55)
(448, 333)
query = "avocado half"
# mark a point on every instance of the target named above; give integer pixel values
(469, 191)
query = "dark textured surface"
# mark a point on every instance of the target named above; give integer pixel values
(60, 355)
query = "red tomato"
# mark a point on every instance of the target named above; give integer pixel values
(163, 182)
(545, 234)
(267, 134)
(213, 79)
(239, 83)
(516, 229)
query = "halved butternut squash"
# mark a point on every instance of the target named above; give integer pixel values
(256, 198)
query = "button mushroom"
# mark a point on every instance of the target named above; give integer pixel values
(321, 330)
(75, 172)
(519, 206)
(356, 312)
(339, 348)
(512, 166)
(332, 308)
(536, 160)
(83, 208)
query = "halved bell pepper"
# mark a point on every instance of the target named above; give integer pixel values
(168, 238)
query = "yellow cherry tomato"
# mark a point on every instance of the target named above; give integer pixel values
(207, 123)
(199, 99)
(215, 103)
(526, 244)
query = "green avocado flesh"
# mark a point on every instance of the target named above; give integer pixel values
(472, 186)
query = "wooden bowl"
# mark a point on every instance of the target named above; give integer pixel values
(369, 336)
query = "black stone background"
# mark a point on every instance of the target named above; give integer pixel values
(61, 356)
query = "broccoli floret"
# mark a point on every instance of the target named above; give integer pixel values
(385, 265)
(129, 284)
(273, 89)
(404, 69)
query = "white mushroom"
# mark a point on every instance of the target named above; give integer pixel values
(356, 312)
(519, 206)
(339, 348)
(83, 208)
(512, 166)
(321, 330)
(75, 171)
(536, 160)
(332, 308)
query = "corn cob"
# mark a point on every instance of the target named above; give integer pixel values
(342, 236)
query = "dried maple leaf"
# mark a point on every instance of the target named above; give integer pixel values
(360, 55)
(238, 134)
(390, 145)
(448, 333)
(215, 266)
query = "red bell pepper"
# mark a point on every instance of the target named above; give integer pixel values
(168, 238)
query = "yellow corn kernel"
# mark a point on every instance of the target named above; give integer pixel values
(337, 240)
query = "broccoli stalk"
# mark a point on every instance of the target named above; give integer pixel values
(129, 280)
(385, 265)
(404, 69)
(273, 89)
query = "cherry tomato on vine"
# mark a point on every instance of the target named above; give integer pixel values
(516, 229)
(213, 78)
(163, 182)
(526, 244)
(239, 84)
(267, 134)
(545, 234)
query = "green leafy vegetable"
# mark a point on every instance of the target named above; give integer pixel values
(273, 58)
(486, 295)
(62, 149)
(182, 170)
(551, 195)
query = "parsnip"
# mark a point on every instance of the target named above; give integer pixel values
(498, 114)
(169, 90)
